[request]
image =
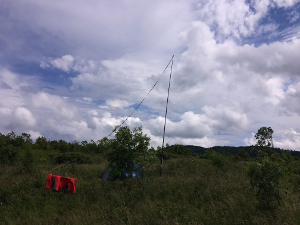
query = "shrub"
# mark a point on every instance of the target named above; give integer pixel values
(124, 151)
(243, 154)
(27, 161)
(264, 178)
(79, 158)
(8, 155)
(178, 149)
(218, 160)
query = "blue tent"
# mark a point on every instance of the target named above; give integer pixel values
(138, 173)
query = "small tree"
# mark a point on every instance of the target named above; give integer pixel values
(264, 138)
(265, 174)
(264, 178)
(243, 154)
(127, 148)
(41, 143)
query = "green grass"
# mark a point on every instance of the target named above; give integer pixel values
(190, 191)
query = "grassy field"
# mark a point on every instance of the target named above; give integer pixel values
(190, 191)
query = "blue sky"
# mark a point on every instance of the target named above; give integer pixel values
(74, 70)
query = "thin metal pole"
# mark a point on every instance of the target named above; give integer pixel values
(162, 148)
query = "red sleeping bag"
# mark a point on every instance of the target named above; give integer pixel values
(58, 183)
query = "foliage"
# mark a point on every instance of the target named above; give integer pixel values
(127, 148)
(147, 159)
(243, 154)
(264, 178)
(78, 157)
(191, 191)
(264, 138)
(218, 159)
(165, 154)
(265, 173)
(63, 146)
(91, 147)
(178, 149)
(27, 161)
(237, 157)
(41, 143)
(8, 153)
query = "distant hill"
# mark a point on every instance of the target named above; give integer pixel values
(231, 150)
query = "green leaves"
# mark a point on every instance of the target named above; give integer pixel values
(264, 178)
(264, 137)
(128, 147)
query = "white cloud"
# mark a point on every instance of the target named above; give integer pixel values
(33, 134)
(290, 140)
(221, 90)
(23, 117)
(64, 63)
(44, 65)
(240, 19)
(286, 3)
(243, 22)
(54, 103)
(250, 141)
(198, 126)
(117, 103)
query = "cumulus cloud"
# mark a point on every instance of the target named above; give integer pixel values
(54, 103)
(221, 89)
(243, 22)
(214, 120)
(285, 3)
(64, 63)
(117, 103)
(290, 140)
(250, 141)
(246, 20)
(22, 117)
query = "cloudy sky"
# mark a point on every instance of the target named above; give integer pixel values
(73, 70)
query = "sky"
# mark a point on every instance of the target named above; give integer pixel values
(75, 69)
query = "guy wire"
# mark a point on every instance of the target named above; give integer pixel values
(145, 97)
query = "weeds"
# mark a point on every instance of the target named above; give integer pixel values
(190, 191)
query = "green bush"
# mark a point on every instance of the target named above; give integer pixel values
(237, 157)
(243, 154)
(27, 161)
(8, 154)
(166, 155)
(218, 159)
(79, 158)
(264, 178)
(178, 149)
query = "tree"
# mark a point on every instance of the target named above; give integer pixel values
(8, 153)
(41, 143)
(265, 174)
(264, 179)
(26, 138)
(264, 137)
(127, 148)
(178, 149)
(243, 154)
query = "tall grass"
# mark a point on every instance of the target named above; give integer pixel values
(190, 191)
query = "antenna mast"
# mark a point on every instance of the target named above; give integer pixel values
(162, 148)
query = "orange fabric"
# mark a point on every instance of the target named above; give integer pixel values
(61, 182)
